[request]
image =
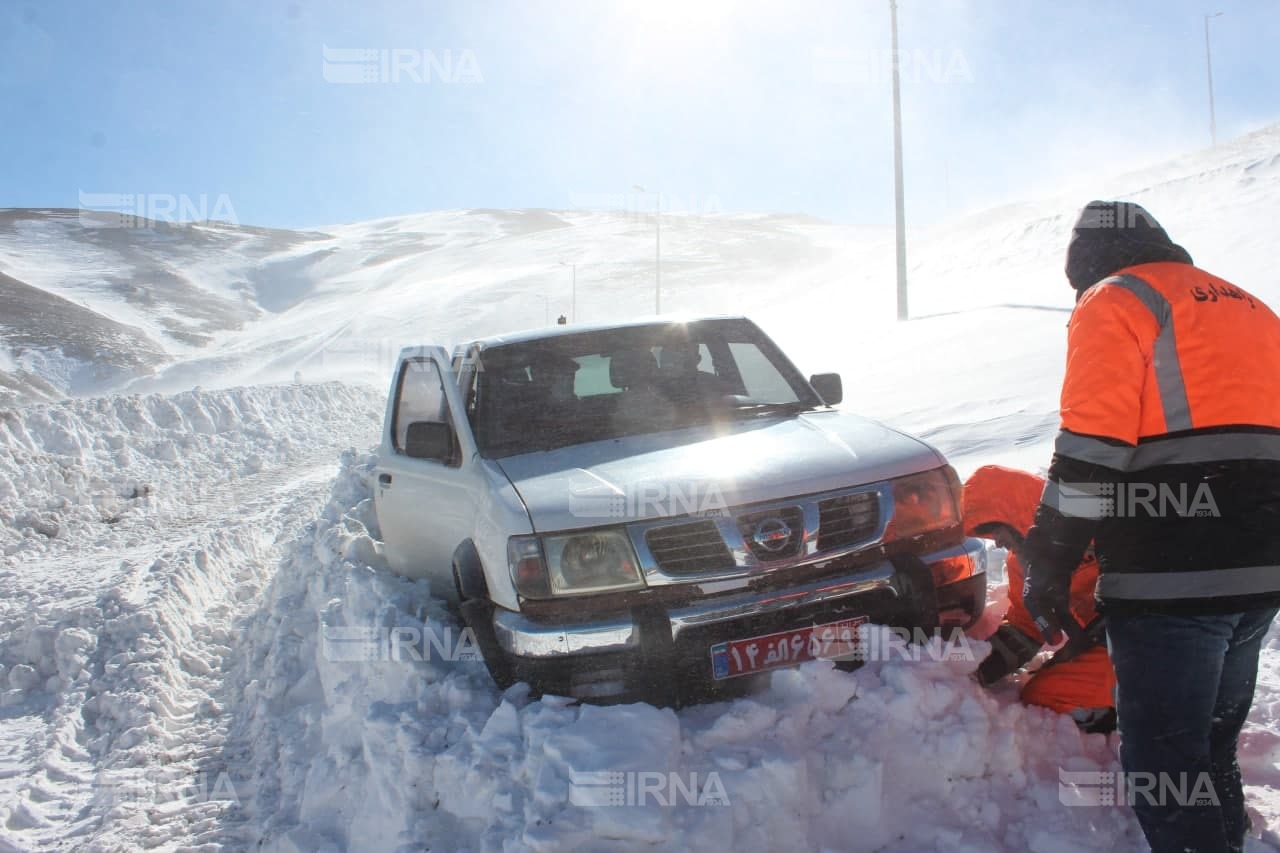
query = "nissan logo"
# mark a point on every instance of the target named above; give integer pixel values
(772, 534)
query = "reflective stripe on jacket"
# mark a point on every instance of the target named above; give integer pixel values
(1169, 454)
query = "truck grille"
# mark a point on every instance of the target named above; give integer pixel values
(791, 516)
(688, 548)
(847, 520)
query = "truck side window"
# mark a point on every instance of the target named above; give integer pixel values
(592, 378)
(420, 397)
(761, 381)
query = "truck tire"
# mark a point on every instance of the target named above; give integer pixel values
(477, 614)
(921, 590)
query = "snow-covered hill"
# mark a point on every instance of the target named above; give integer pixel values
(217, 304)
(172, 562)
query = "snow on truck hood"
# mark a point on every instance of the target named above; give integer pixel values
(709, 468)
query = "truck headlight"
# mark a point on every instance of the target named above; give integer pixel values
(592, 562)
(923, 503)
(573, 564)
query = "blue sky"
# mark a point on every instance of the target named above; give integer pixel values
(719, 104)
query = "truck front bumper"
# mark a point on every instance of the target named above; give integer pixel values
(651, 646)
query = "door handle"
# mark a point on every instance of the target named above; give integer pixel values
(384, 479)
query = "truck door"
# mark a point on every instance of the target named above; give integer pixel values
(427, 480)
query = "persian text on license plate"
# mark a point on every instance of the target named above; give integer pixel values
(785, 648)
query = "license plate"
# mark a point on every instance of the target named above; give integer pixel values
(785, 648)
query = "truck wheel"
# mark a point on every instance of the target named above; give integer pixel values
(922, 591)
(477, 614)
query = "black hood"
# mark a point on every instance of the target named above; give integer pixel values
(1112, 235)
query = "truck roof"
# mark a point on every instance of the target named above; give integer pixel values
(548, 332)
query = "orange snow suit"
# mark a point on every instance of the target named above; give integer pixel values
(994, 494)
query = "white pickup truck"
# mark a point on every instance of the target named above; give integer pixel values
(621, 511)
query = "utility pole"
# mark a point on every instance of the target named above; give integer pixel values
(657, 248)
(657, 255)
(900, 218)
(573, 301)
(1208, 67)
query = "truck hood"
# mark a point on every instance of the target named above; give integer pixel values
(705, 469)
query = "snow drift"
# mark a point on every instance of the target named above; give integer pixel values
(905, 754)
(135, 532)
(174, 567)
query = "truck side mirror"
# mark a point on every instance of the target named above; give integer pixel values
(828, 386)
(429, 440)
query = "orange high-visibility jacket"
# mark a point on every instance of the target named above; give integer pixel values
(1169, 453)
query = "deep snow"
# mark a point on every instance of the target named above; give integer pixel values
(191, 699)
(174, 566)
(136, 531)
(903, 755)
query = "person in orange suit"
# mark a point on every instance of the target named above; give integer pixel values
(1000, 504)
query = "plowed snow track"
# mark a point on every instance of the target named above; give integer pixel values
(116, 650)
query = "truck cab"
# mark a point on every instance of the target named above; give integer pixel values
(618, 509)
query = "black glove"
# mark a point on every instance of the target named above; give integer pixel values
(1010, 651)
(1050, 554)
(1046, 593)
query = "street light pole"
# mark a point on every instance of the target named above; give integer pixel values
(573, 301)
(899, 215)
(1208, 66)
(657, 248)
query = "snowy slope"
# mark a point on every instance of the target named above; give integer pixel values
(221, 304)
(174, 562)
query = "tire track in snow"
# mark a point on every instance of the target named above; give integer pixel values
(116, 653)
(116, 761)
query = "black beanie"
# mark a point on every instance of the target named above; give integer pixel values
(1112, 235)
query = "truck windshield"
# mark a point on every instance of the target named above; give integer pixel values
(575, 388)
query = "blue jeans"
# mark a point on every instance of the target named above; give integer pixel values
(1185, 685)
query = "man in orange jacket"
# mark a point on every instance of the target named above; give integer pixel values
(1168, 461)
(1000, 504)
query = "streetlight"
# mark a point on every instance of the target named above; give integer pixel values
(573, 304)
(657, 248)
(899, 215)
(1208, 66)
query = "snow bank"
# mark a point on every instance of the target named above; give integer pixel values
(138, 531)
(406, 754)
(74, 471)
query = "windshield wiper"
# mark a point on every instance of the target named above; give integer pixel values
(792, 408)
